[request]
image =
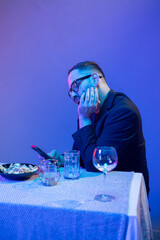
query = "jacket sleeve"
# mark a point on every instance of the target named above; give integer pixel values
(118, 129)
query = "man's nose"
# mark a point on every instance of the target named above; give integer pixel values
(74, 94)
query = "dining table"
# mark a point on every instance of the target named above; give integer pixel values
(30, 210)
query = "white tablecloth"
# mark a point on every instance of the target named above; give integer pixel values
(29, 210)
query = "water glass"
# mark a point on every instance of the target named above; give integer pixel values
(72, 164)
(49, 172)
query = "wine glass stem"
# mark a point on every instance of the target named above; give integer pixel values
(104, 183)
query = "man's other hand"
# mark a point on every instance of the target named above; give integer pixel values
(55, 155)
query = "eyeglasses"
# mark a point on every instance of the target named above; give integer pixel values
(75, 84)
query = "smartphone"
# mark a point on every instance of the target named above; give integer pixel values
(42, 153)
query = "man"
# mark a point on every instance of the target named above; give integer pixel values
(105, 118)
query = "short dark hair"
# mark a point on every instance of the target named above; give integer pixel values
(90, 64)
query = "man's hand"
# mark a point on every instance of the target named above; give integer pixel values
(54, 154)
(89, 103)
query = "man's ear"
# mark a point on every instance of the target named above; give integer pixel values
(95, 79)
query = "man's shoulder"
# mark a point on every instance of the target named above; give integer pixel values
(121, 107)
(122, 97)
(122, 102)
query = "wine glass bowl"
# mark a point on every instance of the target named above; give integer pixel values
(105, 159)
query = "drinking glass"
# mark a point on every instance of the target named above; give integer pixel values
(72, 164)
(105, 159)
(49, 172)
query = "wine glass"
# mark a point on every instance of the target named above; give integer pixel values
(105, 159)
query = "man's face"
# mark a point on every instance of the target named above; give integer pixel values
(83, 85)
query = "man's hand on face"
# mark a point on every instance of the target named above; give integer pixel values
(89, 103)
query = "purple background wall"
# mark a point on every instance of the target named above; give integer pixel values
(41, 39)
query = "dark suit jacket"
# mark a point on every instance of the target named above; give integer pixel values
(119, 125)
